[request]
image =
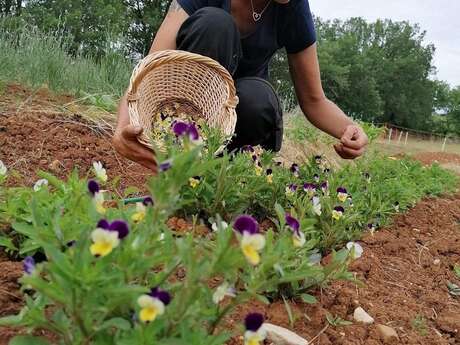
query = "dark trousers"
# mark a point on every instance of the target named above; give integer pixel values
(212, 32)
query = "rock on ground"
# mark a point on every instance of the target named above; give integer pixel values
(277, 335)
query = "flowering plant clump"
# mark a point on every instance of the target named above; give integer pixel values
(93, 286)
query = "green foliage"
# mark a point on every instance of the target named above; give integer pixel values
(420, 325)
(85, 299)
(36, 59)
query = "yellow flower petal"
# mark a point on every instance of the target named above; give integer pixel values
(138, 217)
(336, 215)
(148, 314)
(270, 179)
(150, 308)
(342, 197)
(103, 242)
(251, 254)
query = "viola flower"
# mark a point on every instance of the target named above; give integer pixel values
(28, 265)
(223, 291)
(309, 188)
(278, 164)
(182, 129)
(98, 197)
(298, 237)
(318, 159)
(107, 236)
(396, 206)
(148, 201)
(254, 158)
(371, 227)
(342, 194)
(367, 176)
(247, 148)
(3, 169)
(350, 201)
(215, 227)
(327, 171)
(140, 213)
(101, 173)
(252, 242)
(291, 189)
(166, 165)
(355, 249)
(153, 304)
(259, 169)
(316, 178)
(316, 205)
(337, 212)
(194, 181)
(325, 188)
(269, 173)
(40, 183)
(255, 333)
(295, 169)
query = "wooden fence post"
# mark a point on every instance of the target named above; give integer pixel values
(400, 135)
(444, 144)
(389, 136)
(405, 141)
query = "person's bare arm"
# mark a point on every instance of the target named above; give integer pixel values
(320, 111)
(125, 136)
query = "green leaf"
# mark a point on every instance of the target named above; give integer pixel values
(116, 322)
(309, 298)
(7, 243)
(13, 320)
(28, 340)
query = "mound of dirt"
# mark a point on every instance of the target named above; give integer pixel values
(34, 137)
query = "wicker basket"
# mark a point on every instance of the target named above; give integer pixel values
(193, 84)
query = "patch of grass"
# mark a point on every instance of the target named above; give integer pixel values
(419, 325)
(34, 59)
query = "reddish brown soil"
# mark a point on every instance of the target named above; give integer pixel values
(438, 157)
(402, 280)
(33, 136)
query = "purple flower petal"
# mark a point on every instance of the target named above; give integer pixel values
(292, 187)
(93, 187)
(254, 158)
(121, 227)
(324, 186)
(166, 165)
(341, 190)
(295, 168)
(29, 265)
(269, 171)
(247, 148)
(316, 177)
(180, 128)
(339, 209)
(292, 223)
(103, 224)
(309, 187)
(147, 201)
(192, 132)
(245, 223)
(162, 295)
(253, 321)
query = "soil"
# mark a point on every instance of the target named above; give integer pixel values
(405, 268)
(34, 136)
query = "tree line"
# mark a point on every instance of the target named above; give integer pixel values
(379, 72)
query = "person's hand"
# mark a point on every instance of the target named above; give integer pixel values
(126, 143)
(352, 143)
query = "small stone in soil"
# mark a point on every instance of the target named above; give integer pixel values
(281, 336)
(360, 315)
(387, 334)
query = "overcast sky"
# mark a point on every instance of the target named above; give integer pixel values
(440, 18)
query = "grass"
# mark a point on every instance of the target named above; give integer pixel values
(34, 59)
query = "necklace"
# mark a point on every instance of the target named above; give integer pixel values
(257, 15)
